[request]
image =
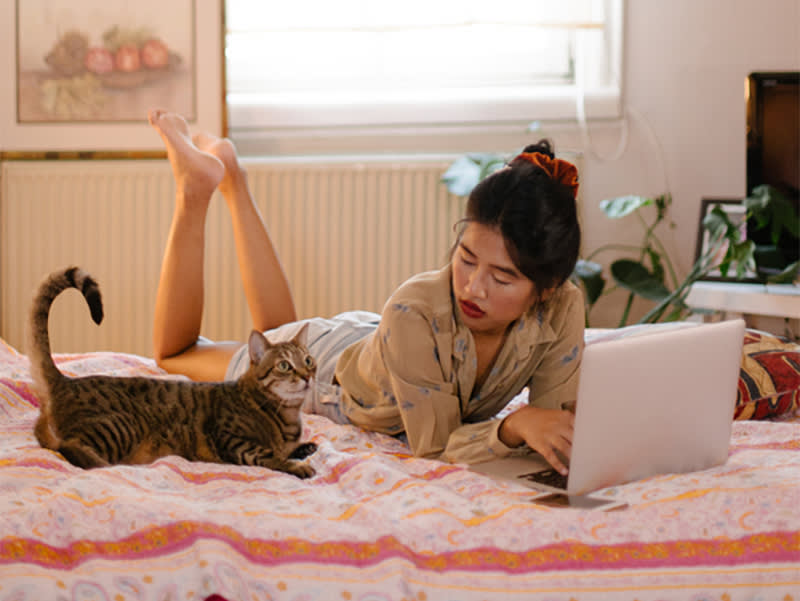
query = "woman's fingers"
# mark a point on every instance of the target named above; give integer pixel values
(546, 431)
(558, 452)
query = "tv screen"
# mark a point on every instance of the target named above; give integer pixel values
(773, 155)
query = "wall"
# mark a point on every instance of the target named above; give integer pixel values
(686, 63)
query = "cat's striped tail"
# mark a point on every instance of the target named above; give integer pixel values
(43, 368)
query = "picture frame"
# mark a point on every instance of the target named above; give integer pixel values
(736, 211)
(83, 75)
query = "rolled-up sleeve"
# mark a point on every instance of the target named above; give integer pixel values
(474, 443)
(428, 403)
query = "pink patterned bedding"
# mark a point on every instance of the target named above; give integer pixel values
(376, 524)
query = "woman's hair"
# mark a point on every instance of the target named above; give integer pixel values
(535, 212)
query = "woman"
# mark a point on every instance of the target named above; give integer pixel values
(451, 348)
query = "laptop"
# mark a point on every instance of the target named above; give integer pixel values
(649, 404)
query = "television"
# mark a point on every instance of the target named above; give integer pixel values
(773, 153)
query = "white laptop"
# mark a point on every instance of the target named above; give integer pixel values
(649, 404)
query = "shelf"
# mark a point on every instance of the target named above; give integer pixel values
(774, 300)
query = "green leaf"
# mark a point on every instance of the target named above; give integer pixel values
(635, 277)
(462, 176)
(784, 217)
(624, 205)
(656, 263)
(717, 222)
(787, 276)
(466, 171)
(663, 202)
(490, 164)
(741, 253)
(757, 205)
(768, 206)
(591, 276)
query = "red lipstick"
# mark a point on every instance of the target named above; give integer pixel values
(471, 309)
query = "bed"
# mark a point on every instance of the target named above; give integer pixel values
(376, 524)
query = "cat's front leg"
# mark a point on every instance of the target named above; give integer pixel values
(247, 452)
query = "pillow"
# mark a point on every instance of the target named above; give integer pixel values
(769, 379)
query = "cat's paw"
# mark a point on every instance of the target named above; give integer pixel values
(301, 470)
(304, 450)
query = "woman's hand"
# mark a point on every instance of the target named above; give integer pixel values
(543, 430)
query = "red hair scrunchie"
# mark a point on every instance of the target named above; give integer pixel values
(560, 170)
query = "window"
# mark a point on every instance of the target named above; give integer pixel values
(351, 67)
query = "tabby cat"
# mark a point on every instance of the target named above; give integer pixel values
(96, 421)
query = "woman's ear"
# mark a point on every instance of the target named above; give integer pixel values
(545, 295)
(539, 299)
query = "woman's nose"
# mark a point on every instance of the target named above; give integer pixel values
(476, 285)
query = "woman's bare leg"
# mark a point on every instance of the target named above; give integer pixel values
(177, 345)
(265, 284)
(179, 300)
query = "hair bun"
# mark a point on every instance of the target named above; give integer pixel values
(560, 170)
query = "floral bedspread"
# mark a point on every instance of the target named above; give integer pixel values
(376, 524)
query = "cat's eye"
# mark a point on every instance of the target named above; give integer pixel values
(309, 361)
(284, 366)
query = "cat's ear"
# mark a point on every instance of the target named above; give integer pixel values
(302, 336)
(257, 345)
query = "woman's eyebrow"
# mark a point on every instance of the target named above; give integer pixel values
(507, 270)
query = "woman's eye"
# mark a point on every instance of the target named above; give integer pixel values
(502, 282)
(466, 261)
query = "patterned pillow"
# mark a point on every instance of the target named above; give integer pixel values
(769, 379)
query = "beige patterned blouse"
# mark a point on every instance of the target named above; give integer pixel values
(416, 373)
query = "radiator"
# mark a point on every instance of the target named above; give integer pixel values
(347, 233)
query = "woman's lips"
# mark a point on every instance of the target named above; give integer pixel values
(471, 309)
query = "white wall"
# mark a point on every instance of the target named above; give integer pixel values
(685, 66)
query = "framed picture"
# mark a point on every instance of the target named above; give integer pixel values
(735, 210)
(84, 74)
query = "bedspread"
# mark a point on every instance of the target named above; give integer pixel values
(376, 524)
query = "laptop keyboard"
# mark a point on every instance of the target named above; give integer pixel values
(548, 477)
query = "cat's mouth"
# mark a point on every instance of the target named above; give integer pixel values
(293, 394)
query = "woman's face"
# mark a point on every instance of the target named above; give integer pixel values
(490, 292)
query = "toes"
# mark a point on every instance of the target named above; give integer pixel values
(154, 115)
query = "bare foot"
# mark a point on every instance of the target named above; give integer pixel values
(196, 172)
(225, 151)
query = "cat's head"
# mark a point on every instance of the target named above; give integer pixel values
(284, 369)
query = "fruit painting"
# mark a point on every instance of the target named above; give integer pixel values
(104, 60)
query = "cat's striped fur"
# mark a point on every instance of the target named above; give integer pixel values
(96, 421)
